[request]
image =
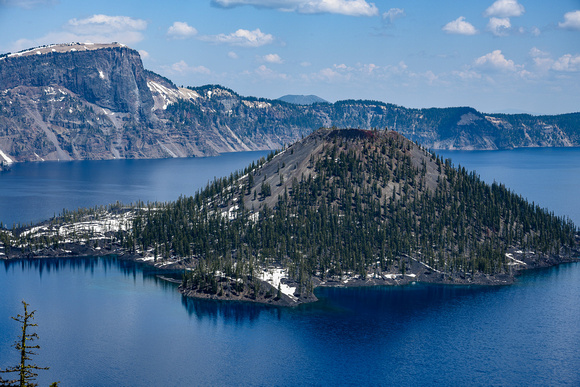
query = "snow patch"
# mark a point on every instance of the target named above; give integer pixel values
(274, 278)
(166, 149)
(101, 74)
(6, 158)
(256, 104)
(515, 261)
(231, 213)
(169, 95)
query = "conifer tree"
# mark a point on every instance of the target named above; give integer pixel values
(25, 370)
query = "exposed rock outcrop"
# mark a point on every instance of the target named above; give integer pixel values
(96, 101)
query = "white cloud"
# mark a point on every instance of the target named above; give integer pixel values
(460, 26)
(104, 28)
(536, 52)
(393, 13)
(544, 62)
(305, 64)
(343, 7)
(495, 61)
(22, 44)
(181, 30)
(571, 21)
(369, 73)
(330, 75)
(536, 31)
(93, 29)
(504, 8)
(243, 38)
(182, 67)
(144, 54)
(265, 72)
(429, 76)
(499, 26)
(106, 24)
(567, 63)
(273, 58)
(467, 74)
(233, 55)
(369, 68)
(541, 59)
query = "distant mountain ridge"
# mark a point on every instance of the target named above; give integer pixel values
(302, 99)
(81, 101)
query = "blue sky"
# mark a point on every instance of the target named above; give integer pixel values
(497, 56)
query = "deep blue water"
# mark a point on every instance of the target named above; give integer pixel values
(103, 322)
(107, 322)
(32, 192)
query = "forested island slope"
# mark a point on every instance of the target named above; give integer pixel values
(340, 207)
(97, 101)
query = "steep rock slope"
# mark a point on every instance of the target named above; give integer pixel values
(96, 101)
(110, 76)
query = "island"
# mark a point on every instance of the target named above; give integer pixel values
(341, 207)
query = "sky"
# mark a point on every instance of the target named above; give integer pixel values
(507, 56)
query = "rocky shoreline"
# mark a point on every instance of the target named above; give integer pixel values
(270, 295)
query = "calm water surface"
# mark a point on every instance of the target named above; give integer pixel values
(107, 322)
(103, 322)
(32, 192)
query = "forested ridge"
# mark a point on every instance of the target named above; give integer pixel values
(354, 204)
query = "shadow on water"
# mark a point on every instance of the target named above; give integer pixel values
(350, 305)
(231, 312)
(364, 317)
(394, 301)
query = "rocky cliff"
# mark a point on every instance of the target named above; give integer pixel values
(107, 75)
(96, 101)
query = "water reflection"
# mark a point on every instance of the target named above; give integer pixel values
(88, 264)
(230, 312)
(95, 265)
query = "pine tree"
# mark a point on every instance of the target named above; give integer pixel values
(25, 370)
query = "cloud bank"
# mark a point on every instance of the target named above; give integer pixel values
(242, 38)
(342, 7)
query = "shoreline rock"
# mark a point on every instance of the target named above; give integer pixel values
(269, 295)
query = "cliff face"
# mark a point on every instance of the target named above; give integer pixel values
(81, 101)
(109, 76)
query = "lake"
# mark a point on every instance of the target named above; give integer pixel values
(108, 322)
(32, 192)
